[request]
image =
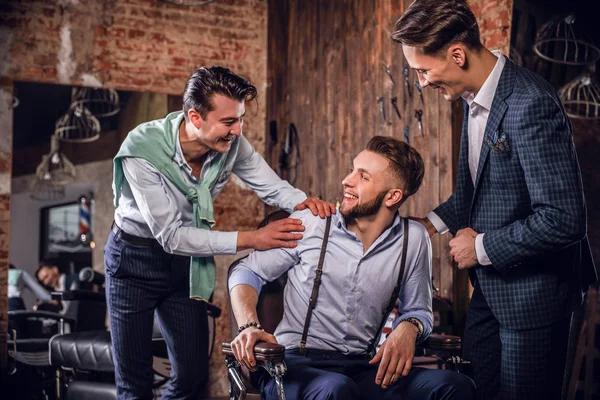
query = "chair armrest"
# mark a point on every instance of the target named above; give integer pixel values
(263, 351)
(21, 315)
(437, 341)
(88, 295)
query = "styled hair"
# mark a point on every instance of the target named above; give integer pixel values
(405, 162)
(205, 82)
(43, 264)
(433, 25)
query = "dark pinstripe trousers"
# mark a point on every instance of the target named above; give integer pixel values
(142, 280)
(510, 364)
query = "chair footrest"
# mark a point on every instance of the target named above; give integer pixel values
(263, 351)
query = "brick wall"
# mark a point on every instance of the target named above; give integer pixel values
(137, 45)
(494, 18)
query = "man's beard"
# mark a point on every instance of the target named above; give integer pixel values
(366, 209)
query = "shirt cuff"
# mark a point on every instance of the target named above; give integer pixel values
(437, 223)
(226, 243)
(244, 276)
(482, 256)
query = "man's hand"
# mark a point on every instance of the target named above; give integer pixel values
(282, 233)
(317, 207)
(396, 354)
(243, 345)
(462, 248)
(427, 224)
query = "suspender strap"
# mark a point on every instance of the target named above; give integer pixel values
(396, 291)
(315, 290)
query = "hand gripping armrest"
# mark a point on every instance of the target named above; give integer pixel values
(263, 351)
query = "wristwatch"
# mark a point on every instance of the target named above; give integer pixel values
(418, 324)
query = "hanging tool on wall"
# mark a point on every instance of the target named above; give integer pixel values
(290, 148)
(381, 102)
(406, 83)
(395, 105)
(420, 89)
(419, 117)
(388, 71)
(406, 135)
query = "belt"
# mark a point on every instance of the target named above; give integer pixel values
(132, 239)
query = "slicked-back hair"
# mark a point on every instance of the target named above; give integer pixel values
(433, 25)
(405, 161)
(205, 82)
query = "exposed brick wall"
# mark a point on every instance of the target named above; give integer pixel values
(494, 18)
(138, 45)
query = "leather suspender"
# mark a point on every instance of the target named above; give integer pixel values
(315, 290)
(317, 283)
(396, 290)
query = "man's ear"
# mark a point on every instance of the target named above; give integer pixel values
(395, 196)
(195, 118)
(457, 55)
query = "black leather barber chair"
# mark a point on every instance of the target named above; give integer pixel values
(439, 350)
(84, 363)
(29, 372)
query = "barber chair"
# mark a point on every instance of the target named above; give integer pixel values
(438, 351)
(83, 360)
(29, 372)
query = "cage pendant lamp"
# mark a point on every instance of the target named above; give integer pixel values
(581, 97)
(46, 191)
(77, 125)
(557, 41)
(102, 103)
(55, 167)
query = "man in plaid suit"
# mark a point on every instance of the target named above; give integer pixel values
(517, 214)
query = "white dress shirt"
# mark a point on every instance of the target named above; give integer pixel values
(480, 105)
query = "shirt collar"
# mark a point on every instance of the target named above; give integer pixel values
(340, 222)
(180, 159)
(485, 96)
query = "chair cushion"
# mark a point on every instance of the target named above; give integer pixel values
(82, 390)
(82, 350)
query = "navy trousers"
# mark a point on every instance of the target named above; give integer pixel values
(329, 375)
(142, 281)
(514, 364)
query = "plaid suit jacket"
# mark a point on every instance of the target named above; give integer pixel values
(528, 200)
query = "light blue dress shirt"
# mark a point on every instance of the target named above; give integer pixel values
(356, 285)
(151, 205)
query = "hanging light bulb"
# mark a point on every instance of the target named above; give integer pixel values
(77, 125)
(55, 168)
(102, 103)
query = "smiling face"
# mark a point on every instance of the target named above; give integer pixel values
(222, 124)
(444, 74)
(49, 276)
(366, 186)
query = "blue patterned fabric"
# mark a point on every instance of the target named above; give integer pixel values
(528, 200)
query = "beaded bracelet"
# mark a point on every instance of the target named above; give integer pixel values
(248, 325)
(416, 323)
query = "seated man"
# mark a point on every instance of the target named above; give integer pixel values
(360, 271)
(48, 274)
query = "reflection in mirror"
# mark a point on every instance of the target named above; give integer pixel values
(68, 224)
